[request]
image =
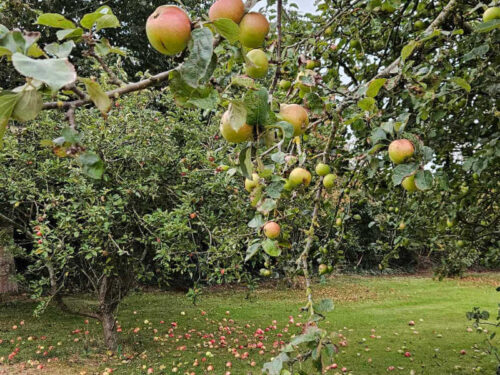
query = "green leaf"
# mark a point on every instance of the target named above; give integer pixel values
(375, 86)
(276, 365)
(324, 306)
(28, 106)
(408, 50)
(109, 21)
(103, 18)
(257, 105)
(423, 180)
(195, 68)
(428, 154)
(252, 250)
(54, 20)
(286, 128)
(401, 171)
(93, 166)
(484, 27)
(256, 222)
(274, 189)
(366, 104)
(186, 95)
(237, 115)
(377, 135)
(60, 50)
(315, 103)
(271, 248)
(56, 73)
(246, 165)
(228, 29)
(243, 81)
(8, 101)
(267, 206)
(375, 149)
(461, 82)
(16, 41)
(98, 96)
(73, 34)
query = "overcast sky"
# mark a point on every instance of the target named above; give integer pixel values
(304, 5)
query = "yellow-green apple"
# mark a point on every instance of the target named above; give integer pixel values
(329, 180)
(256, 64)
(254, 28)
(409, 184)
(400, 150)
(322, 169)
(492, 13)
(253, 183)
(243, 134)
(295, 115)
(272, 230)
(299, 176)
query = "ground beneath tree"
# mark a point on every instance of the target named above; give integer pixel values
(163, 333)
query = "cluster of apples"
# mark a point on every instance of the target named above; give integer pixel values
(401, 150)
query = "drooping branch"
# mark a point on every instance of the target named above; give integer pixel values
(278, 47)
(112, 76)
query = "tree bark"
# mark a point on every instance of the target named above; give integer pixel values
(109, 298)
(109, 330)
(7, 267)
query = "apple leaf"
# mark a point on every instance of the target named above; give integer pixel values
(484, 27)
(8, 101)
(271, 248)
(257, 105)
(267, 206)
(93, 166)
(54, 20)
(200, 61)
(98, 96)
(243, 81)
(375, 86)
(461, 82)
(56, 73)
(103, 18)
(73, 34)
(186, 95)
(366, 104)
(228, 29)
(246, 164)
(286, 128)
(401, 171)
(315, 103)
(276, 365)
(28, 105)
(256, 222)
(252, 250)
(324, 306)
(408, 50)
(423, 180)
(60, 50)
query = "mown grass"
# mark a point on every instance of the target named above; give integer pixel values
(371, 312)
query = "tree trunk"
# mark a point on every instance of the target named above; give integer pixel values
(109, 330)
(7, 268)
(107, 306)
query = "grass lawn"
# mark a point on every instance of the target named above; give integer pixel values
(372, 314)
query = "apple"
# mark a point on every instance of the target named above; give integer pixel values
(232, 9)
(306, 81)
(243, 134)
(257, 64)
(288, 186)
(300, 176)
(402, 225)
(419, 25)
(272, 230)
(328, 31)
(400, 150)
(254, 28)
(310, 64)
(253, 183)
(492, 13)
(355, 43)
(329, 180)
(322, 269)
(285, 84)
(322, 169)
(409, 184)
(168, 29)
(449, 223)
(295, 115)
(265, 272)
(460, 243)
(338, 222)
(357, 217)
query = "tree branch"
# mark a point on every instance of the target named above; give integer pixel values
(278, 51)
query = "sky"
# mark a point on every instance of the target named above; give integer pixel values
(304, 5)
